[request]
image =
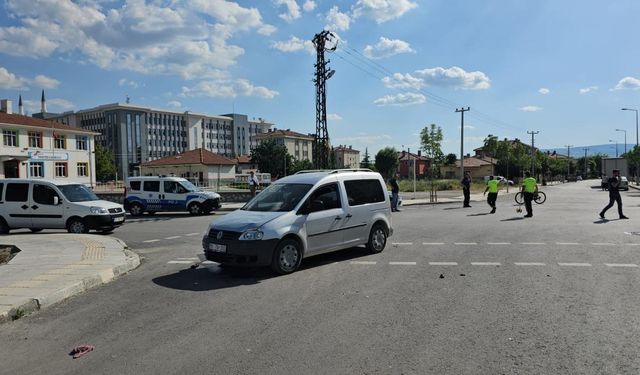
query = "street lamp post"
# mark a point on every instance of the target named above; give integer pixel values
(636, 111)
(611, 140)
(625, 138)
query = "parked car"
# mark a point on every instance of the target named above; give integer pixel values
(624, 183)
(500, 179)
(302, 215)
(41, 204)
(161, 193)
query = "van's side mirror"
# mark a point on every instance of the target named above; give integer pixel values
(56, 200)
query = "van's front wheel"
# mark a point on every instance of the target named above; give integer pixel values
(195, 209)
(377, 239)
(136, 209)
(287, 257)
(77, 226)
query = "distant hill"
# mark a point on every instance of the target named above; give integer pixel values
(578, 151)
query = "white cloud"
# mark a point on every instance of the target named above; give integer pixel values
(53, 105)
(9, 81)
(44, 82)
(530, 108)
(587, 90)
(455, 77)
(333, 117)
(400, 99)
(294, 44)
(62, 104)
(544, 91)
(309, 5)
(382, 10)
(628, 83)
(126, 82)
(174, 104)
(228, 89)
(403, 81)
(293, 9)
(386, 48)
(337, 20)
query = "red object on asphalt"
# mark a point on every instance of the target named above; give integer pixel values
(81, 350)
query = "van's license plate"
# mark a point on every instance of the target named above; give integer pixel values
(218, 248)
(118, 219)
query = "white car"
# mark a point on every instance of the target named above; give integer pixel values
(161, 193)
(302, 215)
(624, 183)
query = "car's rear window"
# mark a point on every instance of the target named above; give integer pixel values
(364, 191)
(135, 185)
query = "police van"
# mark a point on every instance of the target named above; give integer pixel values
(160, 193)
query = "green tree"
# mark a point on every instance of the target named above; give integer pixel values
(272, 158)
(105, 164)
(366, 160)
(300, 165)
(387, 162)
(491, 147)
(431, 142)
(450, 159)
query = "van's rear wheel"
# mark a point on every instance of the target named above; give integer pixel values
(135, 209)
(195, 209)
(377, 239)
(77, 226)
(287, 257)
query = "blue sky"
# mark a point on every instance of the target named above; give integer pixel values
(563, 68)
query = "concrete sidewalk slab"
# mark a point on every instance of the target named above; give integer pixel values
(52, 267)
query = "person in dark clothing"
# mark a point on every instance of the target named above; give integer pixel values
(395, 189)
(466, 189)
(614, 195)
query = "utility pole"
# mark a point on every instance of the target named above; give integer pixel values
(533, 160)
(462, 111)
(323, 73)
(568, 160)
(585, 162)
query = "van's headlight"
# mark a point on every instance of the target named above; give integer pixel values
(251, 235)
(98, 210)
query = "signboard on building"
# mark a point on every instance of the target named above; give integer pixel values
(48, 155)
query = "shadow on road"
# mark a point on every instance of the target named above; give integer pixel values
(212, 277)
(452, 208)
(480, 214)
(513, 218)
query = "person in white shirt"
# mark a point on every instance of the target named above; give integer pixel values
(253, 183)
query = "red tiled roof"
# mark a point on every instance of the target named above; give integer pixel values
(282, 133)
(475, 162)
(402, 156)
(197, 156)
(16, 119)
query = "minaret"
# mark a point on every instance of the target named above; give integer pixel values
(43, 104)
(20, 107)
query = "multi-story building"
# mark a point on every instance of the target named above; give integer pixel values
(138, 134)
(346, 157)
(36, 148)
(298, 145)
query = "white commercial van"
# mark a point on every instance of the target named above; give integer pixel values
(305, 214)
(44, 204)
(161, 193)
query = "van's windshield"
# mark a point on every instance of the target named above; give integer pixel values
(189, 186)
(278, 198)
(78, 193)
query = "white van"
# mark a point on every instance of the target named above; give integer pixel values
(45, 204)
(161, 193)
(305, 214)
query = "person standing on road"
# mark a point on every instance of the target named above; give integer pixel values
(395, 190)
(253, 183)
(492, 188)
(528, 189)
(466, 189)
(614, 194)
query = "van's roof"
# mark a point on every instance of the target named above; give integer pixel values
(313, 177)
(53, 182)
(172, 178)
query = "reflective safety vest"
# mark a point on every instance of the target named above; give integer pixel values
(529, 185)
(493, 186)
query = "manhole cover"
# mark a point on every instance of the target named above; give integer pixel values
(633, 233)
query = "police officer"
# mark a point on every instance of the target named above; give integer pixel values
(528, 189)
(466, 189)
(492, 188)
(614, 195)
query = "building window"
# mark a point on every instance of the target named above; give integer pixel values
(35, 139)
(36, 169)
(10, 138)
(60, 141)
(83, 169)
(81, 142)
(61, 169)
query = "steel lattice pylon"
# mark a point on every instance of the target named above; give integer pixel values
(323, 73)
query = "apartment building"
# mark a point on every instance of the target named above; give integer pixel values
(346, 157)
(298, 145)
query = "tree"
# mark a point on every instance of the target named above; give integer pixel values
(366, 161)
(271, 158)
(300, 165)
(105, 164)
(431, 141)
(450, 159)
(387, 161)
(491, 147)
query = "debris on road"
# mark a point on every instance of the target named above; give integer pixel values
(81, 350)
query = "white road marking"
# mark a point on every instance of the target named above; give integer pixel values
(602, 244)
(363, 262)
(150, 241)
(574, 264)
(192, 234)
(196, 259)
(208, 262)
(465, 243)
(485, 264)
(443, 263)
(402, 263)
(632, 244)
(529, 264)
(567, 243)
(532, 243)
(433, 243)
(402, 243)
(172, 237)
(180, 262)
(498, 243)
(631, 265)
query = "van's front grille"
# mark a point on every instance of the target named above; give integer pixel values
(115, 210)
(226, 235)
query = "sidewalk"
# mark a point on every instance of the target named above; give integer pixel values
(52, 267)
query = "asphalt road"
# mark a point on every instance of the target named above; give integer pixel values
(457, 291)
